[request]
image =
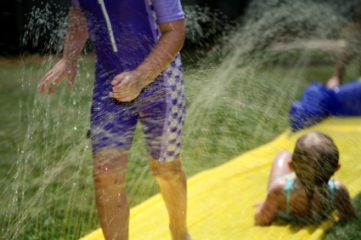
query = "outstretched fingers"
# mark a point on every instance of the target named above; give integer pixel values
(52, 78)
(50, 81)
(46, 81)
(52, 87)
(71, 77)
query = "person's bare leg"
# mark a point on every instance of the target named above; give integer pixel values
(109, 172)
(172, 183)
(280, 166)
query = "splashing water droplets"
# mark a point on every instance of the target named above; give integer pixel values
(235, 102)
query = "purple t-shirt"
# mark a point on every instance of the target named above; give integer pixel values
(123, 32)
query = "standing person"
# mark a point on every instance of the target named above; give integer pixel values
(300, 189)
(138, 77)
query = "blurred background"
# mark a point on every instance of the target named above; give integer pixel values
(24, 31)
(16, 15)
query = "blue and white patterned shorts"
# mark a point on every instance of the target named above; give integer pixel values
(160, 108)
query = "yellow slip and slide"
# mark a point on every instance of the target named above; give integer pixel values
(221, 200)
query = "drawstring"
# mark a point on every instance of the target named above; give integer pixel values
(109, 25)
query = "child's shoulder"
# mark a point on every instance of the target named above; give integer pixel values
(343, 202)
(341, 193)
(280, 184)
(340, 188)
(277, 187)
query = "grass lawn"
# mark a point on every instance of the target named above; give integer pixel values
(347, 230)
(46, 164)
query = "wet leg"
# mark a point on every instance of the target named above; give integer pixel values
(109, 173)
(172, 182)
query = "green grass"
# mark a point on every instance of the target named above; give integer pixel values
(45, 165)
(347, 230)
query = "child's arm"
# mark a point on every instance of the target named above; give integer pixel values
(343, 203)
(67, 67)
(267, 211)
(127, 85)
(347, 55)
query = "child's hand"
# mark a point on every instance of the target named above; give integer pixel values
(63, 69)
(333, 82)
(126, 86)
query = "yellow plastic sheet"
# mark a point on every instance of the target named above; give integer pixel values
(221, 200)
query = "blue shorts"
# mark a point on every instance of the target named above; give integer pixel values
(160, 107)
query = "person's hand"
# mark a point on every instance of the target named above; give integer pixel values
(63, 69)
(333, 82)
(126, 86)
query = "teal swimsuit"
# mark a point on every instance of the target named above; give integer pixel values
(288, 188)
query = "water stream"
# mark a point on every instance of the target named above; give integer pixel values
(238, 97)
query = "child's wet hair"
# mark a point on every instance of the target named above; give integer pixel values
(315, 159)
